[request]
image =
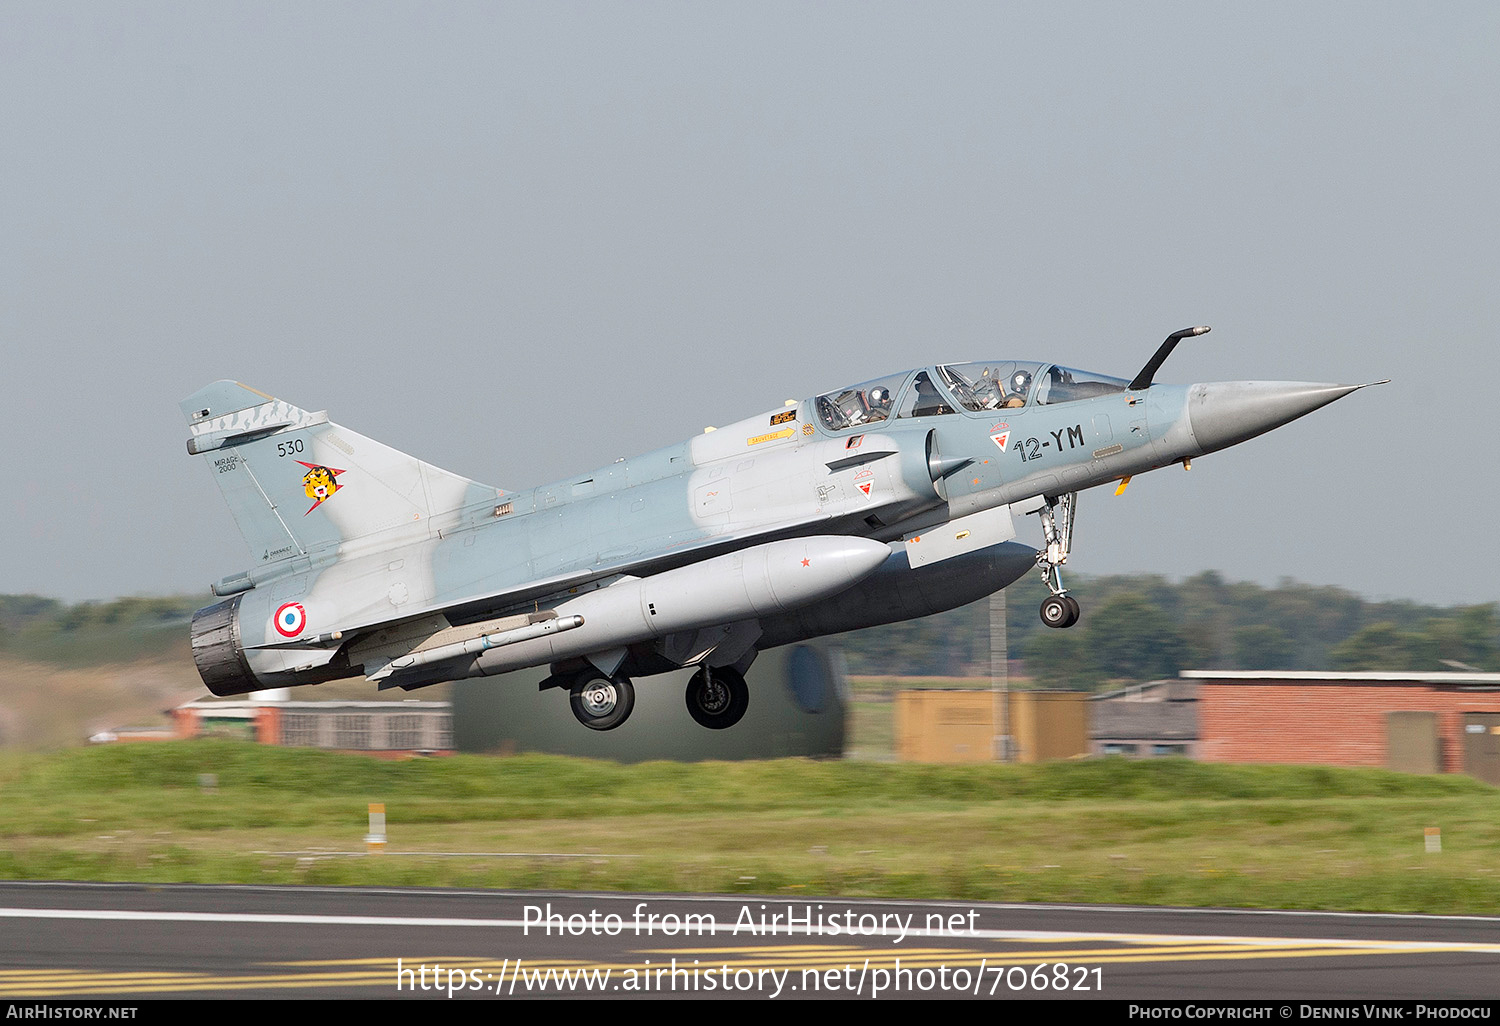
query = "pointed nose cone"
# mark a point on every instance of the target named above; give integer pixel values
(1225, 413)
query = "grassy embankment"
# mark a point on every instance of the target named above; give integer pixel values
(1157, 832)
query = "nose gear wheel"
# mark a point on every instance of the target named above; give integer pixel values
(1060, 611)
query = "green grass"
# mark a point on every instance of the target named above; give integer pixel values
(1157, 831)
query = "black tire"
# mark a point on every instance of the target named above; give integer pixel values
(717, 698)
(1056, 612)
(602, 703)
(1074, 610)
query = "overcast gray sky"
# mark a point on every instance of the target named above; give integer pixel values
(521, 240)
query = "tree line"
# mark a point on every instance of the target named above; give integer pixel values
(1144, 627)
(1133, 628)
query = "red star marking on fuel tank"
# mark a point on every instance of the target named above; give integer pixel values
(806, 563)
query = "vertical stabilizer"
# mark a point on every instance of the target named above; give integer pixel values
(299, 484)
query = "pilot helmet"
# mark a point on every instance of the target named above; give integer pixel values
(1020, 381)
(879, 396)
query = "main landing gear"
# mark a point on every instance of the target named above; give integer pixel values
(600, 702)
(717, 698)
(1059, 609)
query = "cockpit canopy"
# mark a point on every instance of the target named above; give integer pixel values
(976, 387)
(869, 403)
(995, 386)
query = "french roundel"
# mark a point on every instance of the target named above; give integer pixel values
(290, 619)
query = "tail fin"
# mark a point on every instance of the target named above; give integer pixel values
(297, 483)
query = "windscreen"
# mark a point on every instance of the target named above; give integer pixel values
(1065, 385)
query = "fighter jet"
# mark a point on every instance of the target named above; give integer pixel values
(883, 501)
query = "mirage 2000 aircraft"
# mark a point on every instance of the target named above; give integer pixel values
(880, 502)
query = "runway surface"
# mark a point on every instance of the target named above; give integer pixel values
(65, 941)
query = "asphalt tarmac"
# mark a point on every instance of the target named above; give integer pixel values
(125, 942)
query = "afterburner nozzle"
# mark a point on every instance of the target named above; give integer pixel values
(1225, 413)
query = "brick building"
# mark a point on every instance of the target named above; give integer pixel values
(1433, 722)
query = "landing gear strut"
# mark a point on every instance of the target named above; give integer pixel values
(1059, 609)
(602, 703)
(718, 697)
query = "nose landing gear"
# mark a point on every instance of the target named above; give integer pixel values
(1059, 609)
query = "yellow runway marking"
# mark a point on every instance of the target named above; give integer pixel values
(381, 972)
(81, 982)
